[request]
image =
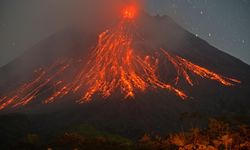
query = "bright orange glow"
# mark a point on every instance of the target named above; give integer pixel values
(130, 12)
(114, 68)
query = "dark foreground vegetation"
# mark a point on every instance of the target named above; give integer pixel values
(218, 134)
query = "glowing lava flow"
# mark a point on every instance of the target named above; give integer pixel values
(184, 66)
(114, 64)
(114, 67)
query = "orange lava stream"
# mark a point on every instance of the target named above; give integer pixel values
(184, 66)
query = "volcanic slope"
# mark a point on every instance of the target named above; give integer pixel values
(136, 77)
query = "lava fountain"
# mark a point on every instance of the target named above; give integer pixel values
(114, 66)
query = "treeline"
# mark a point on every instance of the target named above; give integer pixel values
(218, 135)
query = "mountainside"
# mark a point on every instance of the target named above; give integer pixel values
(214, 82)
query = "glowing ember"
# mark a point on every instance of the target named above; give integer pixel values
(114, 66)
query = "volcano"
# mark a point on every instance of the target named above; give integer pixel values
(137, 76)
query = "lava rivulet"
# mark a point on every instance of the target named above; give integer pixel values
(183, 66)
(29, 91)
(114, 66)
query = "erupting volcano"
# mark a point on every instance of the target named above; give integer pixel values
(129, 12)
(115, 65)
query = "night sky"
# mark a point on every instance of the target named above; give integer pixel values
(225, 24)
